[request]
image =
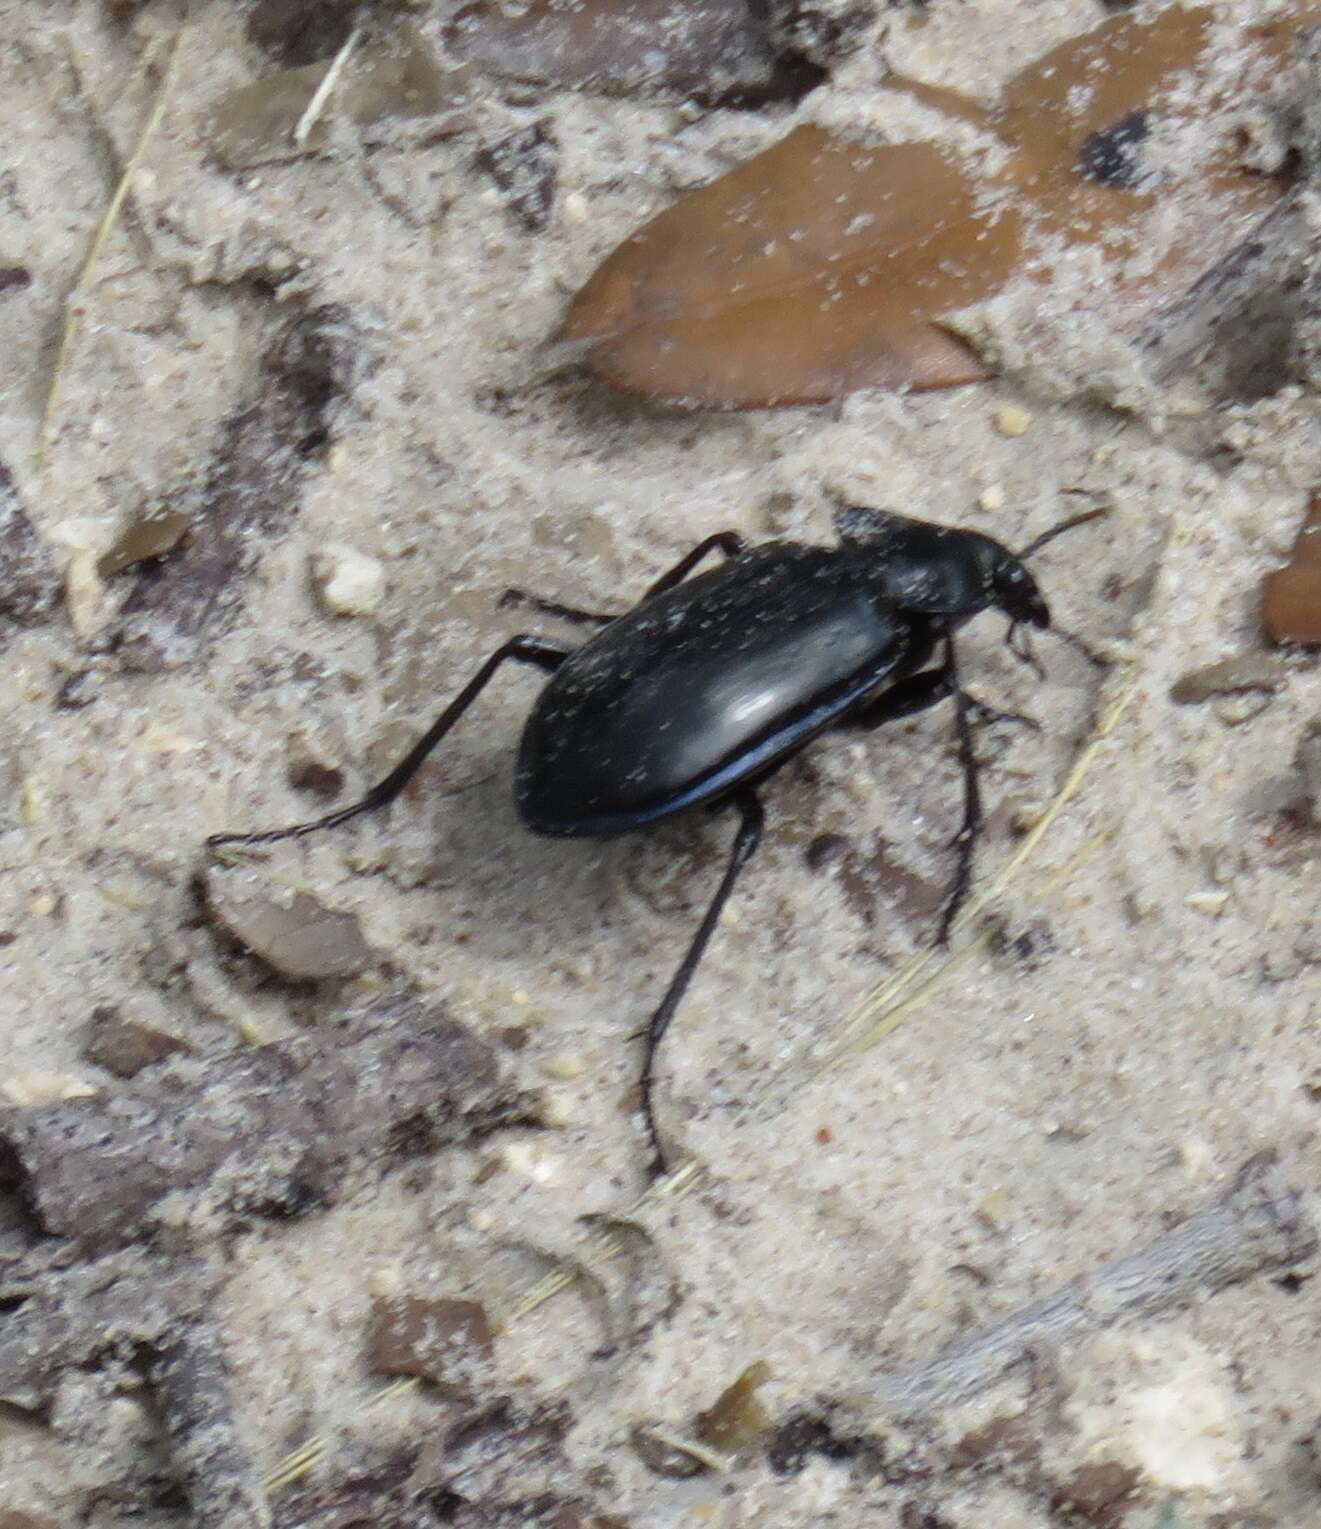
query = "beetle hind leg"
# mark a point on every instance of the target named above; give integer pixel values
(742, 850)
(526, 650)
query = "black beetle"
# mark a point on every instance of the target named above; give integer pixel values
(710, 684)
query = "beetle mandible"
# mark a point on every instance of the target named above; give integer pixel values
(711, 683)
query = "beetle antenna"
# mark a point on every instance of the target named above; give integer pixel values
(1059, 530)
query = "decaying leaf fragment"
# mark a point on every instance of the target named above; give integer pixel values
(737, 1419)
(124, 1046)
(716, 51)
(395, 79)
(1292, 605)
(1230, 676)
(150, 537)
(822, 265)
(298, 937)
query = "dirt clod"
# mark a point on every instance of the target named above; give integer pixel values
(123, 1046)
(446, 1342)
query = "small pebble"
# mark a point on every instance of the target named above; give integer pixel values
(531, 1161)
(27, 1086)
(1024, 816)
(555, 1112)
(994, 1209)
(1196, 1156)
(992, 497)
(1012, 421)
(84, 593)
(384, 1282)
(1213, 904)
(350, 583)
(1235, 710)
(565, 1067)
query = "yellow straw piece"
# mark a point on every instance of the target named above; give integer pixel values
(107, 224)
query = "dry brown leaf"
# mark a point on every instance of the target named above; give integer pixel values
(822, 266)
(1292, 605)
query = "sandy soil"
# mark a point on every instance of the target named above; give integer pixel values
(1144, 1029)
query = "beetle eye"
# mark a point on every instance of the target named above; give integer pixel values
(1018, 596)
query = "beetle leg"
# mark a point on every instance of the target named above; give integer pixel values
(983, 713)
(916, 693)
(526, 601)
(728, 542)
(965, 841)
(526, 650)
(745, 843)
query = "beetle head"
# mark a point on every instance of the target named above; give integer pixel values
(1015, 591)
(935, 570)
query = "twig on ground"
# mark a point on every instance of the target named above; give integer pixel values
(191, 1378)
(1264, 1222)
(272, 1129)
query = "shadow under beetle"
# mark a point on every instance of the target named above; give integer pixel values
(709, 684)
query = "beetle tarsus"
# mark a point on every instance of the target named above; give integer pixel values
(986, 715)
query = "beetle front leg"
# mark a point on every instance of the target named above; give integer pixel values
(525, 650)
(745, 844)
